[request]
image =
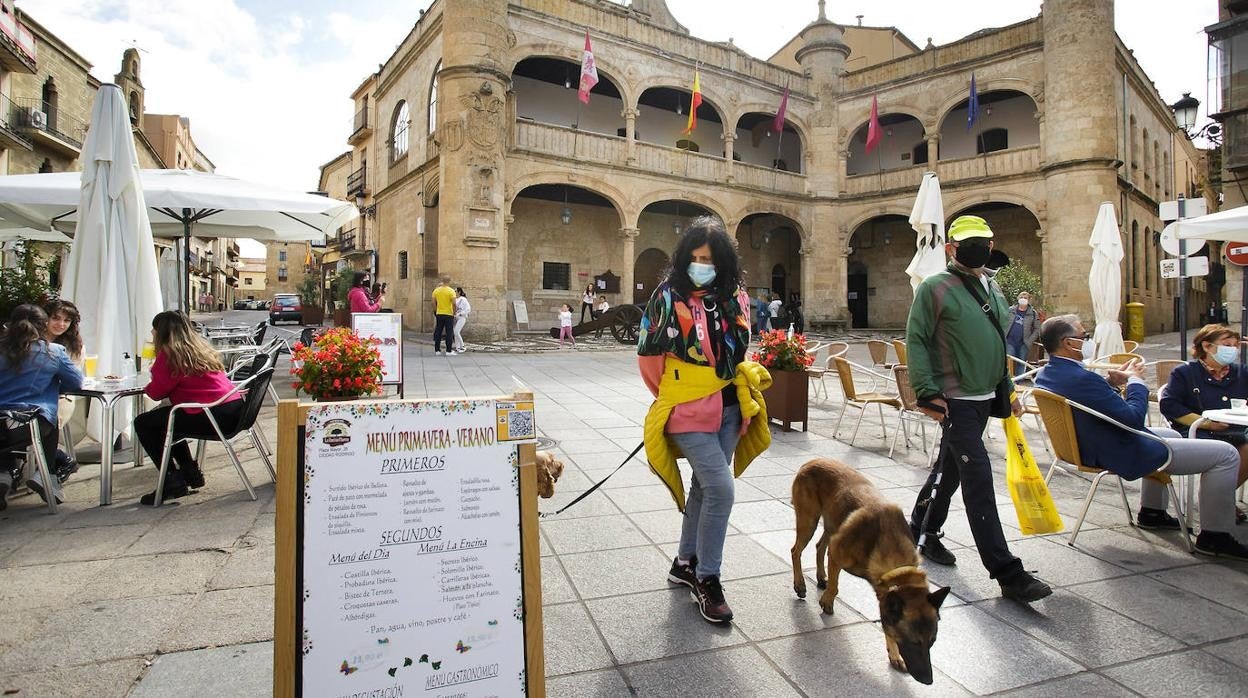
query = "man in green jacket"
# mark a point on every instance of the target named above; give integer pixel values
(956, 356)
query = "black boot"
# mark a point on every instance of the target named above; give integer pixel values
(175, 487)
(192, 475)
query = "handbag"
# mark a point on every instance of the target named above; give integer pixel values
(1032, 502)
(1003, 396)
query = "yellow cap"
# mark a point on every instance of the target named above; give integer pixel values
(969, 227)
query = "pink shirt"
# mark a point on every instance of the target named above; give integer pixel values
(705, 414)
(202, 387)
(357, 299)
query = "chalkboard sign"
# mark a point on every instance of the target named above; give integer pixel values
(407, 552)
(387, 329)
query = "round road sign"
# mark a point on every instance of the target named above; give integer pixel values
(1237, 253)
(1170, 243)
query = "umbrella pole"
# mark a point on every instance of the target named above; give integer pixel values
(186, 260)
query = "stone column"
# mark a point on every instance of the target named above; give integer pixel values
(729, 138)
(628, 256)
(807, 252)
(630, 134)
(933, 150)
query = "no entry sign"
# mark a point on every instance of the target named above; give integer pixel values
(1237, 253)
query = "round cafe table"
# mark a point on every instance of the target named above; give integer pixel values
(108, 393)
(1226, 417)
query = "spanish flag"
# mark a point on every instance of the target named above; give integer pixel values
(694, 104)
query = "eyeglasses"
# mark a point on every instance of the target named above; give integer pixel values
(1082, 337)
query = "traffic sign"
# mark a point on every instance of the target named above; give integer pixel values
(1195, 266)
(1169, 210)
(1237, 253)
(1170, 242)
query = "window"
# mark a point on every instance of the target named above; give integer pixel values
(1136, 262)
(1150, 256)
(281, 272)
(992, 140)
(398, 132)
(403, 265)
(556, 276)
(432, 115)
(919, 154)
(247, 281)
(281, 255)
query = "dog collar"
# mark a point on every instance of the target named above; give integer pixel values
(887, 578)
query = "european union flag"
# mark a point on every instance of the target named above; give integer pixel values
(972, 106)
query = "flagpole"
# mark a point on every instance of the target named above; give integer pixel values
(775, 166)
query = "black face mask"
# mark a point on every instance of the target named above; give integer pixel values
(972, 255)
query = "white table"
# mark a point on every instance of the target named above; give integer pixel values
(1226, 417)
(109, 392)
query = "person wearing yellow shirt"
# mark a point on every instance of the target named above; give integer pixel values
(444, 314)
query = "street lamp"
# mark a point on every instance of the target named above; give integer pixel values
(566, 214)
(1185, 111)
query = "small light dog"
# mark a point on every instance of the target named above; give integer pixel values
(868, 537)
(549, 469)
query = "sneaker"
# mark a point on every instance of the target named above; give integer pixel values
(1220, 544)
(36, 485)
(683, 574)
(708, 593)
(437, 353)
(1025, 588)
(65, 466)
(935, 550)
(1156, 520)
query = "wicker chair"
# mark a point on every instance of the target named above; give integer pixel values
(899, 346)
(910, 411)
(816, 372)
(878, 349)
(845, 370)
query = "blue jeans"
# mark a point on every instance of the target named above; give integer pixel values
(711, 492)
(1018, 350)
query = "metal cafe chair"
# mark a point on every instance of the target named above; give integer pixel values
(20, 417)
(816, 372)
(254, 391)
(878, 349)
(909, 412)
(861, 400)
(1058, 415)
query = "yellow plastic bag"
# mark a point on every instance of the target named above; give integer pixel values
(1032, 502)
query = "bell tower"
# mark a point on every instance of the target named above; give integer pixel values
(130, 84)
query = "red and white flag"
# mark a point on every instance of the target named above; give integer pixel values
(873, 127)
(589, 72)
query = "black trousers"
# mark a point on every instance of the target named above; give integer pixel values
(587, 306)
(18, 438)
(966, 463)
(150, 429)
(445, 327)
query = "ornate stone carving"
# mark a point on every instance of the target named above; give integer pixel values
(485, 116)
(452, 135)
(511, 39)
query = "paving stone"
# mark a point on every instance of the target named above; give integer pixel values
(614, 572)
(1190, 673)
(1235, 652)
(98, 631)
(986, 655)
(632, 475)
(649, 497)
(571, 644)
(246, 567)
(1215, 582)
(555, 585)
(67, 545)
(226, 617)
(849, 661)
(780, 545)
(1132, 548)
(766, 607)
(1095, 635)
(594, 533)
(596, 504)
(742, 558)
(590, 684)
(756, 517)
(89, 681)
(55, 585)
(183, 534)
(779, 486)
(237, 670)
(1060, 565)
(1175, 612)
(662, 526)
(739, 671)
(1077, 686)
(20, 623)
(157, 575)
(657, 624)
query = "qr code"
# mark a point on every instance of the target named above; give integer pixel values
(520, 425)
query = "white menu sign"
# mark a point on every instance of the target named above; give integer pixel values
(387, 329)
(411, 549)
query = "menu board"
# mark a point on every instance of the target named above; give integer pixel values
(387, 329)
(410, 578)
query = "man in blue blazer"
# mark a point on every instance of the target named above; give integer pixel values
(1131, 456)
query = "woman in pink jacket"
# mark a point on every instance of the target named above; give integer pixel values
(358, 299)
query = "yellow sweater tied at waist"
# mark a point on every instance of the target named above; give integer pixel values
(685, 382)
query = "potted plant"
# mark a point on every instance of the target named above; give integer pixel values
(341, 285)
(786, 359)
(338, 365)
(310, 298)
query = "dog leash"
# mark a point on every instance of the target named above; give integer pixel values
(586, 493)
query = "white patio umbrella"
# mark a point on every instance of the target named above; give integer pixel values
(1230, 225)
(170, 278)
(1105, 280)
(928, 220)
(181, 203)
(110, 273)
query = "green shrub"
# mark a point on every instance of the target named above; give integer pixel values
(1018, 277)
(27, 281)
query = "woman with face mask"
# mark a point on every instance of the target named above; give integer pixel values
(1209, 382)
(708, 403)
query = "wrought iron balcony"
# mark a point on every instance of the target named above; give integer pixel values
(48, 125)
(357, 183)
(361, 127)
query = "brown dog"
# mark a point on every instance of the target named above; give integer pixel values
(549, 469)
(868, 537)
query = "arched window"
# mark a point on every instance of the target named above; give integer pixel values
(1150, 255)
(1167, 174)
(432, 115)
(134, 106)
(1157, 166)
(1135, 145)
(919, 154)
(1145, 160)
(1136, 262)
(51, 100)
(992, 140)
(398, 132)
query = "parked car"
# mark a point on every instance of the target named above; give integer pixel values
(286, 306)
(242, 304)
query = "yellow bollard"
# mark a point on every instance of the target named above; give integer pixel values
(1135, 322)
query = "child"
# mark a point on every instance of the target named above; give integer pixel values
(603, 307)
(565, 325)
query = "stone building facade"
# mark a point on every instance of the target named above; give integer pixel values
(482, 164)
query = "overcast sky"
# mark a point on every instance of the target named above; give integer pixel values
(267, 83)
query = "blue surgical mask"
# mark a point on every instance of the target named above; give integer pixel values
(701, 274)
(1226, 355)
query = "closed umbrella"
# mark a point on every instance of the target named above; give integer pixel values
(170, 278)
(928, 220)
(110, 273)
(1105, 280)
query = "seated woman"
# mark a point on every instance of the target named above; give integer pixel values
(32, 374)
(63, 321)
(186, 369)
(1209, 382)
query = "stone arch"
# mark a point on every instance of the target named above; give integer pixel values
(880, 211)
(710, 204)
(951, 102)
(592, 184)
(954, 206)
(731, 224)
(790, 119)
(711, 98)
(606, 69)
